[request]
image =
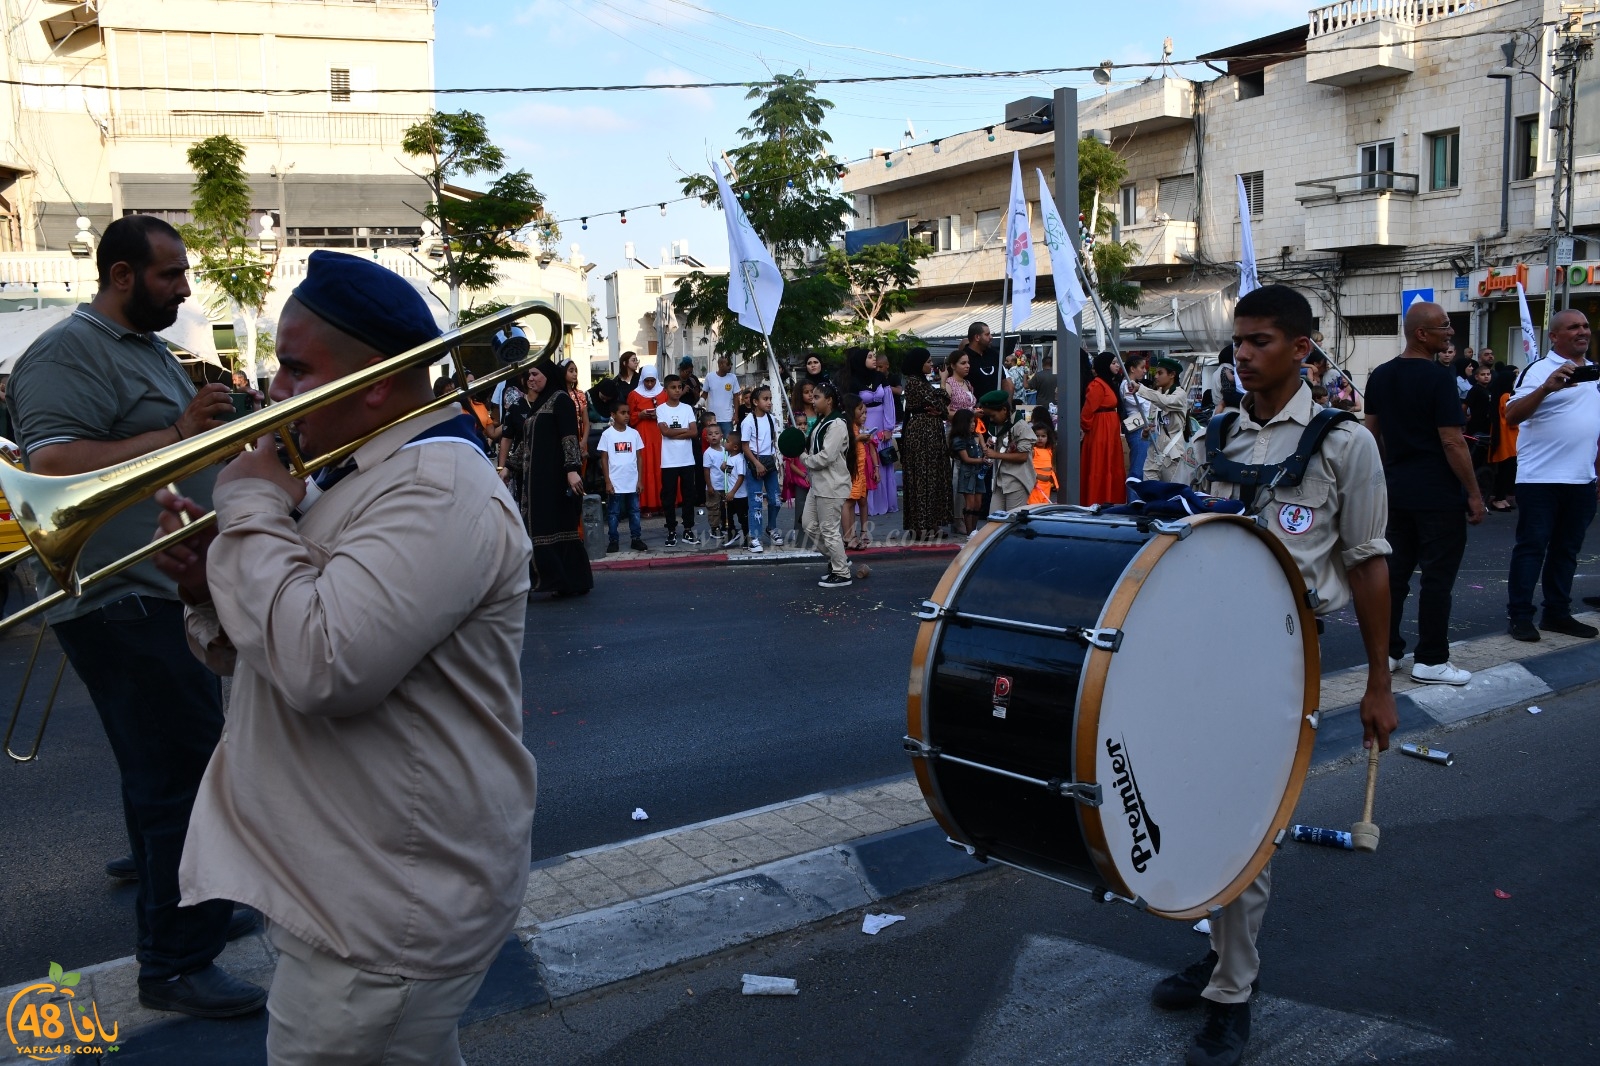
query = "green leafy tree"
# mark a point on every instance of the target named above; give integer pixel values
(880, 278)
(1101, 171)
(478, 230)
(235, 272)
(786, 180)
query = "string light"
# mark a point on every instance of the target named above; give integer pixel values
(663, 210)
(935, 147)
(624, 218)
(585, 223)
(990, 131)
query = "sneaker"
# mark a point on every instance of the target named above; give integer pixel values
(1570, 626)
(208, 993)
(690, 538)
(1182, 990)
(1523, 630)
(834, 581)
(755, 547)
(637, 544)
(672, 537)
(1221, 1042)
(735, 539)
(122, 869)
(612, 547)
(716, 532)
(1440, 674)
(777, 539)
(1395, 661)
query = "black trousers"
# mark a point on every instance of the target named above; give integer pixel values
(673, 478)
(1551, 522)
(162, 713)
(1433, 541)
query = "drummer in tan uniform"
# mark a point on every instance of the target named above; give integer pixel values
(1333, 523)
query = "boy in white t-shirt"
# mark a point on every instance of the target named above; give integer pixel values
(620, 445)
(679, 424)
(726, 474)
(722, 388)
(711, 459)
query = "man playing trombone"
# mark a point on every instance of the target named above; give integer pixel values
(372, 796)
(97, 389)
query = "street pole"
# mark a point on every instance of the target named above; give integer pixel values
(1575, 46)
(1069, 373)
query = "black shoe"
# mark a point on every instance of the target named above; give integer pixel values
(1221, 1042)
(612, 547)
(1522, 629)
(122, 869)
(672, 537)
(208, 993)
(689, 537)
(1182, 990)
(1592, 601)
(245, 921)
(637, 544)
(1568, 625)
(833, 581)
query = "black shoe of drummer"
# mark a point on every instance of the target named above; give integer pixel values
(1221, 1041)
(122, 869)
(1182, 990)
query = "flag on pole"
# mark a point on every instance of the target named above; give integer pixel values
(1530, 336)
(1020, 265)
(755, 288)
(1070, 297)
(1248, 281)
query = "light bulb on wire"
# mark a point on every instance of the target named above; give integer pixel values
(990, 131)
(624, 217)
(585, 222)
(663, 210)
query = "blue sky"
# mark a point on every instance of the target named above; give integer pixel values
(596, 152)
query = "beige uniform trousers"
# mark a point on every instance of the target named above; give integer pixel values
(823, 520)
(1233, 938)
(1014, 500)
(324, 1012)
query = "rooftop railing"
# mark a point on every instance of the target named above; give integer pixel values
(1331, 18)
(326, 127)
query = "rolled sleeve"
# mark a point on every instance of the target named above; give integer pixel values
(208, 640)
(1363, 512)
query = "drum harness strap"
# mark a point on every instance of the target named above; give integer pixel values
(1250, 477)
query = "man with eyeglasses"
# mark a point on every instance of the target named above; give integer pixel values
(1414, 411)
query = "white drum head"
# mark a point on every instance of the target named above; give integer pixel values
(1201, 715)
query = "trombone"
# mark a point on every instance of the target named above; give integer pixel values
(58, 515)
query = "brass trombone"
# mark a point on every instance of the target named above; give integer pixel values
(58, 515)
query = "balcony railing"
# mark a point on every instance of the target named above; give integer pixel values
(1364, 183)
(322, 127)
(1331, 18)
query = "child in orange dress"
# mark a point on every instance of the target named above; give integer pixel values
(1044, 458)
(855, 509)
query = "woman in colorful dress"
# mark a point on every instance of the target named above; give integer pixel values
(866, 379)
(1103, 470)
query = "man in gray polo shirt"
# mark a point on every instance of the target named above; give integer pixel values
(95, 390)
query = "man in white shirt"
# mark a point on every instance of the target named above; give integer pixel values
(679, 423)
(620, 446)
(1556, 407)
(722, 389)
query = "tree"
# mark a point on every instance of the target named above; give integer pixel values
(879, 278)
(232, 266)
(1100, 170)
(477, 230)
(785, 178)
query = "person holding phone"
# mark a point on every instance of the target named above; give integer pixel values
(1556, 411)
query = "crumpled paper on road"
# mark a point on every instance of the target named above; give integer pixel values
(871, 923)
(757, 985)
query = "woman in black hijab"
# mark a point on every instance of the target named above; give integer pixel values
(552, 488)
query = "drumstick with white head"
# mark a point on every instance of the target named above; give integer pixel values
(1364, 834)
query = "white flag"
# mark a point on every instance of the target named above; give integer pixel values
(1020, 265)
(1070, 296)
(1530, 336)
(1248, 281)
(755, 288)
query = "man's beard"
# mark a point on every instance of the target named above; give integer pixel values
(144, 314)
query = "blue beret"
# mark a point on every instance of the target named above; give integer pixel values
(370, 302)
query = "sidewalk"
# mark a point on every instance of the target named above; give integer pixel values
(608, 914)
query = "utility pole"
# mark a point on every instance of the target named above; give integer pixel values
(1574, 45)
(1069, 373)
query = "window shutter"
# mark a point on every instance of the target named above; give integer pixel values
(339, 85)
(1175, 197)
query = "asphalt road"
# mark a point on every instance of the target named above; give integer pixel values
(1405, 956)
(690, 693)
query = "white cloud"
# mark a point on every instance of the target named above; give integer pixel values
(700, 100)
(483, 32)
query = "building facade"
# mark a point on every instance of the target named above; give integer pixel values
(640, 317)
(1370, 141)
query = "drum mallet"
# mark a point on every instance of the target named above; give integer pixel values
(1364, 834)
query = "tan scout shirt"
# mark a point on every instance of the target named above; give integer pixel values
(1335, 518)
(371, 792)
(1017, 476)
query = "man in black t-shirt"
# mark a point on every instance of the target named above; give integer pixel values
(985, 376)
(1414, 410)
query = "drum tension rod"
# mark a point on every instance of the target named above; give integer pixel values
(1104, 639)
(1084, 792)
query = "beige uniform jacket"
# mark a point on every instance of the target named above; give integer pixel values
(825, 459)
(1336, 517)
(1019, 476)
(371, 792)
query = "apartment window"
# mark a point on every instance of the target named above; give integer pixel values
(1444, 160)
(1377, 165)
(339, 84)
(1525, 157)
(1175, 197)
(1252, 85)
(1373, 325)
(652, 286)
(1128, 205)
(989, 225)
(1254, 192)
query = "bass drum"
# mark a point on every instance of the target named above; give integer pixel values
(1119, 704)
